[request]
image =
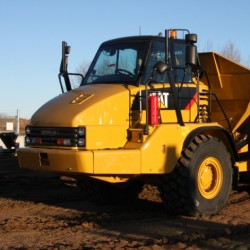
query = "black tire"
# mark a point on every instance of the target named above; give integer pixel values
(102, 192)
(202, 180)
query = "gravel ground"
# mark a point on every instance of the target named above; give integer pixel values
(46, 211)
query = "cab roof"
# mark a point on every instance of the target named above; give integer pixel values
(133, 39)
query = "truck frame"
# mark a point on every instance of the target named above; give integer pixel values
(150, 109)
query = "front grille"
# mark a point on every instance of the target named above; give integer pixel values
(55, 136)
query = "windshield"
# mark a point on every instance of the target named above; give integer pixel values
(177, 61)
(117, 63)
(132, 62)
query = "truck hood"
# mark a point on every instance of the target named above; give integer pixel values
(98, 104)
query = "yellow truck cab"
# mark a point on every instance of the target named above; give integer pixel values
(147, 111)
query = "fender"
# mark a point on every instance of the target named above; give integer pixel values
(215, 131)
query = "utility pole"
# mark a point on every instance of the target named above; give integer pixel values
(17, 122)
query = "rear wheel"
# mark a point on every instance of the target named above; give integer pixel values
(202, 179)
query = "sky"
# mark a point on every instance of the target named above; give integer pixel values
(31, 33)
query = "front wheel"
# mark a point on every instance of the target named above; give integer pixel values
(202, 179)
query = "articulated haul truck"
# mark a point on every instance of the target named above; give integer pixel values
(150, 109)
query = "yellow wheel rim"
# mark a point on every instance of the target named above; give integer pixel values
(210, 178)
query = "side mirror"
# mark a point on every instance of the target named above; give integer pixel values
(191, 38)
(191, 55)
(191, 49)
(65, 53)
(64, 67)
(160, 67)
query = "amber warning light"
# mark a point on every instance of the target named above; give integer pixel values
(173, 34)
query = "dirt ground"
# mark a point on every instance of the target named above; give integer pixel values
(46, 211)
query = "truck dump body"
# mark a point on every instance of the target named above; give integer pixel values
(230, 82)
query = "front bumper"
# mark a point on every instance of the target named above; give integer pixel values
(92, 162)
(56, 160)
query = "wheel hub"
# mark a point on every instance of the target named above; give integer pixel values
(206, 177)
(210, 178)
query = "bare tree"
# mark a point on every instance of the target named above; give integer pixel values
(231, 51)
(208, 46)
(247, 62)
(82, 68)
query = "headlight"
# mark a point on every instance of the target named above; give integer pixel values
(27, 140)
(27, 130)
(81, 132)
(81, 137)
(81, 142)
